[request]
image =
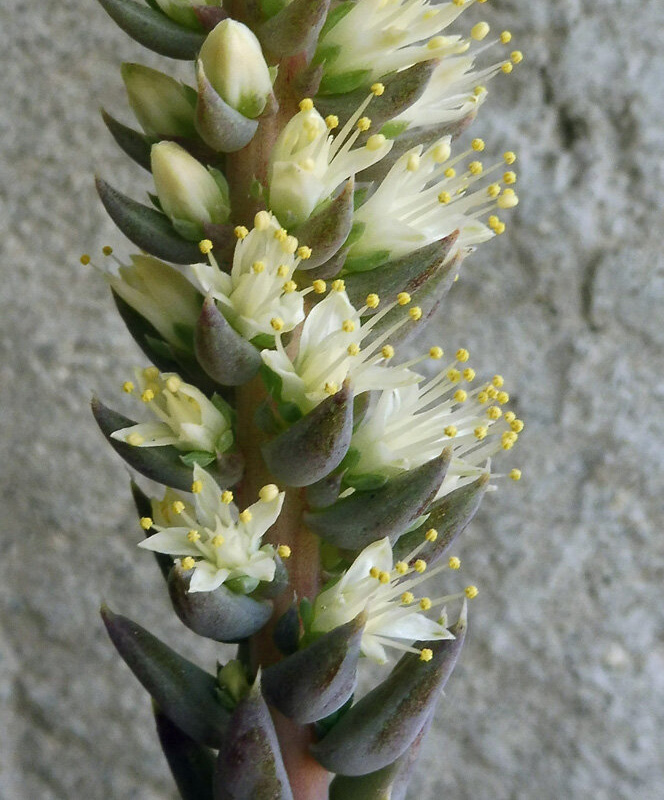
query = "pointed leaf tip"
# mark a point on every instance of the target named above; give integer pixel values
(219, 125)
(295, 28)
(326, 231)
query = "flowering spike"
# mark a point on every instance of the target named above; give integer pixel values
(153, 29)
(226, 356)
(315, 682)
(250, 764)
(295, 28)
(386, 721)
(183, 691)
(364, 517)
(146, 227)
(221, 615)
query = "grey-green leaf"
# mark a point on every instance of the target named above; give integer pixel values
(295, 28)
(218, 124)
(328, 229)
(135, 144)
(191, 764)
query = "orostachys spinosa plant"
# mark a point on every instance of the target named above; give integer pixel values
(312, 206)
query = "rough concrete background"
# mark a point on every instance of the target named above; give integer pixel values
(560, 693)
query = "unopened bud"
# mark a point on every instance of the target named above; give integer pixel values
(162, 105)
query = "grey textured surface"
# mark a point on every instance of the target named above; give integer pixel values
(561, 690)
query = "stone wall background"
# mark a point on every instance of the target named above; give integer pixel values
(560, 693)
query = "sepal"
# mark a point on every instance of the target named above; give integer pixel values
(295, 28)
(191, 764)
(355, 522)
(384, 723)
(218, 124)
(314, 445)
(183, 691)
(316, 681)
(326, 230)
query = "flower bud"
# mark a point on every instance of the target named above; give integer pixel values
(182, 11)
(189, 194)
(162, 105)
(234, 64)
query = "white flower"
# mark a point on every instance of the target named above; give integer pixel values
(329, 352)
(384, 592)
(410, 425)
(259, 288)
(215, 541)
(160, 294)
(307, 163)
(162, 105)
(186, 419)
(424, 198)
(234, 64)
(189, 194)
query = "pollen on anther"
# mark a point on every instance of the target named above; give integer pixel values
(436, 352)
(377, 89)
(444, 198)
(471, 591)
(415, 313)
(277, 323)
(306, 104)
(332, 121)
(173, 384)
(384, 577)
(217, 540)
(454, 562)
(107, 250)
(426, 653)
(453, 375)
(128, 387)
(289, 287)
(509, 157)
(478, 145)
(481, 432)
(407, 598)
(502, 398)
(197, 487)
(494, 413)
(507, 67)
(505, 37)
(431, 535)
(450, 430)
(319, 286)
(331, 388)
(193, 536)
(420, 565)
(364, 123)
(493, 190)
(227, 497)
(475, 168)
(177, 507)
(460, 396)
(241, 232)
(372, 300)
(509, 177)
(510, 416)
(353, 349)
(304, 252)
(146, 523)
(85, 259)
(515, 474)
(348, 326)
(425, 603)
(508, 199)
(188, 563)
(516, 56)
(339, 285)
(462, 354)
(245, 516)
(147, 396)
(284, 551)
(387, 351)
(450, 172)
(401, 567)
(205, 246)
(517, 425)
(258, 267)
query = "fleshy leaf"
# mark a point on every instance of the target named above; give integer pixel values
(325, 231)
(295, 28)
(356, 521)
(250, 766)
(384, 723)
(182, 690)
(154, 30)
(225, 356)
(191, 764)
(315, 445)
(331, 268)
(286, 633)
(135, 144)
(146, 227)
(219, 125)
(221, 614)
(315, 682)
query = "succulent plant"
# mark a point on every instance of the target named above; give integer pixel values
(312, 208)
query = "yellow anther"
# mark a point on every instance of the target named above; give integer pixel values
(478, 90)
(482, 397)
(205, 246)
(460, 396)
(517, 425)
(508, 199)
(415, 313)
(479, 31)
(450, 172)
(284, 551)
(135, 439)
(283, 270)
(477, 145)
(281, 234)
(453, 375)
(499, 228)
(258, 267)
(331, 388)
(493, 219)
(502, 398)
(128, 387)
(505, 37)
(227, 497)
(348, 326)
(493, 190)
(147, 396)
(387, 351)
(289, 245)
(372, 300)
(374, 572)
(509, 177)
(481, 432)
(146, 523)
(420, 565)
(353, 349)
(403, 298)
(245, 516)
(441, 152)
(193, 536)
(85, 259)
(509, 157)
(494, 413)
(498, 381)
(436, 352)
(469, 374)
(450, 430)
(307, 104)
(510, 416)
(289, 287)
(377, 89)
(516, 56)
(277, 323)
(107, 250)
(436, 42)
(515, 474)
(507, 67)
(319, 286)
(401, 567)
(188, 563)
(384, 577)
(304, 252)
(444, 197)
(173, 384)
(197, 487)
(471, 591)
(462, 354)
(332, 121)
(339, 285)
(426, 653)
(431, 535)
(492, 392)
(241, 232)
(425, 604)
(268, 492)
(508, 440)
(364, 123)
(454, 562)
(413, 162)
(407, 598)
(151, 373)
(375, 142)
(217, 540)
(475, 168)
(177, 507)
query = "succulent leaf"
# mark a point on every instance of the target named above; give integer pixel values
(191, 764)
(219, 125)
(135, 144)
(295, 28)
(326, 230)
